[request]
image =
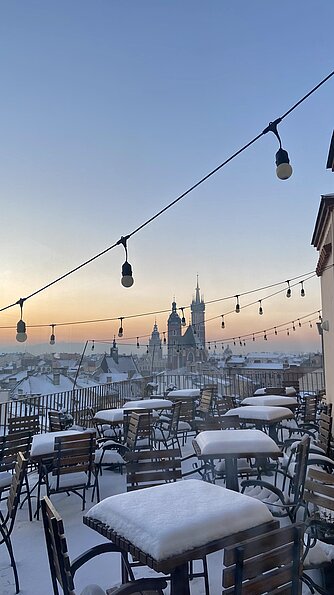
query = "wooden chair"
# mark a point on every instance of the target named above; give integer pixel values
(7, 521)
(139, 431)
(58, 421)
(319, 496)
(26, 423)
(165, 431)
(63, 571)
(10, 446)
(268, 563)
(73, 465)
(149, 468)
(279, 504)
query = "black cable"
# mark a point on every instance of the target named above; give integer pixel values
(270, 128)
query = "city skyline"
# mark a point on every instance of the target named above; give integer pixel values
(108, 114)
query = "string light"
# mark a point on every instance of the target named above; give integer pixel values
(293, 326)
(138, 343)
(21, 335)
(164, 339)
(287, 332)
(240, 342)
(93, 345)
(120, 330)
(310, 324)
(52, 336)
(265, 336)
(237, 305)
(288, 291)
(275, 330)
(260, 308)
(253, 337)
(147, 351)
(283, 167)
(299, 323)
(127, 278)
(302, 290)
(183, 320)
(223, 322)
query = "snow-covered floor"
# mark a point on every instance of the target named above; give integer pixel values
(31, 556)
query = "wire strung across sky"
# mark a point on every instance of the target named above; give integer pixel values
(270, 128)
(306, 277)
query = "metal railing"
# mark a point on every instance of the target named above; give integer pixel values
(80, 402)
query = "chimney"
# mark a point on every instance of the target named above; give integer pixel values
(56, 378)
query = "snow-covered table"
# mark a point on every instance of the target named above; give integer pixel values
(149, 404)
(42, 445)
(287, 391)
(184, 394)
(232, 445)
(272, 401)
(262, 416)
(166, 526)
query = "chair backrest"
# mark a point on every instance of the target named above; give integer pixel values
(325, 433)
(319, 491)
(11, 445)
(224, 403)
(59, 561)
(268, 563)
(187, 410)
(309, 408)
(175, 418)
(298, 479)
(15, 488)
(57, 421)
(149, 468)
(74, 454)
(207, 400)
(139, 428)
(24, 423)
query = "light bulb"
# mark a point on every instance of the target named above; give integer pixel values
(52, 339)
(127, 279)
(120, 332)
(21, 331)
(283, 169)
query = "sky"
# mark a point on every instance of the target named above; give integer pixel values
(108, 112)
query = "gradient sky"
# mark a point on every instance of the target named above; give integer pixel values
(109, 110)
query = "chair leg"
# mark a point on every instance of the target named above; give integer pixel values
(7, 542)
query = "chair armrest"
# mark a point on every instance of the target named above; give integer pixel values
(264, 484)
(101, 548)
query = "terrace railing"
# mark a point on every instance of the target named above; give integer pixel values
(79, 402)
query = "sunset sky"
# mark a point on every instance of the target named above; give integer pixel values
(109, 110)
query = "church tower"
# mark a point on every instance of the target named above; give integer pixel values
(198, 316)
(174, 338)
(155, 342)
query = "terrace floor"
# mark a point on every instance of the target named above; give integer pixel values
(31, 557)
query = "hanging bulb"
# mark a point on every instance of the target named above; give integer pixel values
(260, 308)
(114, 343)
(52, 336)
(137, 342)
(177, 350)
(265, 336)
(293, 326)
(183, 320)
(283, 167)
(319, 315)
(237, 305)
(253, 337)
(147, 349)
(120, 330)
(275, 330)
(244, 343)
(21, 331)
(21, 335)
(215, 346)
(164, 334)
(287, 332)
(302, 290)
(223, 323)
(234, 342)
(195, 332)
(299, 323)
(240, 342)
(93, 346)
(127, 278)
(310, 324)
(288, 291)
(209, 345)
